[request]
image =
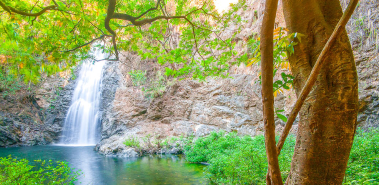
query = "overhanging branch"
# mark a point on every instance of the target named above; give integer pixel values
(134, 20)
(10, 10)
(90, 42)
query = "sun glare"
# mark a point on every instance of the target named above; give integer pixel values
(223, 5)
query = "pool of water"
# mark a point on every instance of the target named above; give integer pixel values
(98, 169)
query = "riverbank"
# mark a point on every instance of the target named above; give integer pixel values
(235, 159)
(98, 169)
(232, 159)
(242, 160)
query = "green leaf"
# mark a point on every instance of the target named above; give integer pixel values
(282, 117)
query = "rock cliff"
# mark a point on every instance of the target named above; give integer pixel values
(36, 116)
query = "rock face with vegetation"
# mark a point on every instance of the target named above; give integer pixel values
(35, 116)
(363, 30)
(180, 108)
(188, 107)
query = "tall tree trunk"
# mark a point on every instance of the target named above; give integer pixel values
(328, 116)
(267, 68)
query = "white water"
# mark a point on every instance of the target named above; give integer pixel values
(83, 117)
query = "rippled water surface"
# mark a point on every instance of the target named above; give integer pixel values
(98, 169)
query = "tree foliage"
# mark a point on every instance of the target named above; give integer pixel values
(45, 37)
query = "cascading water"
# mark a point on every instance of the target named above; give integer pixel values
(83, 117)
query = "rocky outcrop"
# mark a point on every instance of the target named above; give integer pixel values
(35, 117)
(186, 108)
(26, 127)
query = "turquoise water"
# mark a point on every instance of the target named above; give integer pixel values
(98, 169)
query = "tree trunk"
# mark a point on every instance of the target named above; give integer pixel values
(267, 68)
(328, 116)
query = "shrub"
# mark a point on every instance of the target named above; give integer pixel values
(235, 159)
(242, 160)
(13, 171)
(132, 142)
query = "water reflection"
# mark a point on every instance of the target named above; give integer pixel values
(98, 169)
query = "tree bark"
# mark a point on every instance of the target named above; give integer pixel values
(267, 67)
(328, 117)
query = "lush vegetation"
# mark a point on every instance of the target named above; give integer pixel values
(363, 166)
(30, 27)
(14, 171)
(242, 160)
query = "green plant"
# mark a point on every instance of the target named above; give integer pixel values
(138, 77)
(166, 143)
(13, 171)
(9, 83)
(281, 116)
(132, 142)
(147, 140)
(235, 159)
(157, 86)
(72, 72)
(363, 165)
(158, 141)
(242, 160)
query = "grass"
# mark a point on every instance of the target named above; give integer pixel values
(242, 160)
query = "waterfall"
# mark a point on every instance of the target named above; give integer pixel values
(83, 116)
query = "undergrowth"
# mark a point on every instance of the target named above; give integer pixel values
(132, 142)
(9, 83)
(14, 171)
(242, 160)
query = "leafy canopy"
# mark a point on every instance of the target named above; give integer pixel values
(44, 36)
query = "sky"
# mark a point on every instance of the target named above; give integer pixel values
(223, 4)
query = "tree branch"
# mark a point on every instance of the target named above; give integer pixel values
(267, 68)
(10, 9)
(134, 20)
(151, 9)
(73, 29)
(90, 42)
(5, 7)
(110, 12)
